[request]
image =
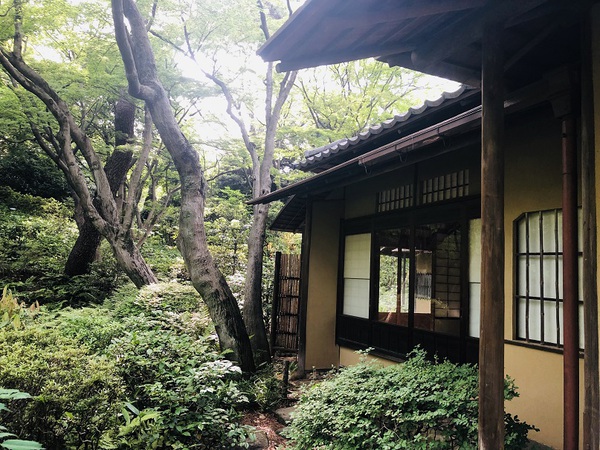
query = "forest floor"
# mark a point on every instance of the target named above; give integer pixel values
(269, 425)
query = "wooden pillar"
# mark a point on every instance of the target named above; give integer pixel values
(591, 413)
(303, 306)
(570, 300)
(491, 342)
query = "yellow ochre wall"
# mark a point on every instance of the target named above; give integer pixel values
(349, 357)
(321, 350)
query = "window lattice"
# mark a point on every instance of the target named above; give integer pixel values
(539, 283)
(397, 198)
(446, 187)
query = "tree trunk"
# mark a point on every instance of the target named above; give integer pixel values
(253, 310)
(85, 250)
(101, 211)
(140, 69)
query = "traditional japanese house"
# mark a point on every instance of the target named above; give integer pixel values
(466, 226)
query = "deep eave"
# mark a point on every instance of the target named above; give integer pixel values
(439, 37)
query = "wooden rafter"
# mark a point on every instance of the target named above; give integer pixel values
(442, 69)
(469, 29)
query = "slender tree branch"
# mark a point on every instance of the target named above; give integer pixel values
(135, 184)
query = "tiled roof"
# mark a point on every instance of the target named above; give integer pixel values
(316, 155)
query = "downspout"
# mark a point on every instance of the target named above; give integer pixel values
(570, 290)
(303, 306)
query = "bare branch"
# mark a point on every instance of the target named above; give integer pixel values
(263, 20)
(250, 147)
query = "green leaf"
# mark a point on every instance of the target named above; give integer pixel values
(18, 444)
(13, 394)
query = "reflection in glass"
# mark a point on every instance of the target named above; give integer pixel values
(394, 275)
(433, 268)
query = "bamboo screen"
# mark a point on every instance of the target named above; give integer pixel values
(286, 303)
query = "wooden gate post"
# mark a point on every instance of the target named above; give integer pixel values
(491, 343)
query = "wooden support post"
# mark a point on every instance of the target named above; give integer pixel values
(570, 301)
(303, 305)
(591, 410)
(491, 343)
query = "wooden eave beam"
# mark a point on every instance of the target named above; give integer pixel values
(407, 10)
(443, 69)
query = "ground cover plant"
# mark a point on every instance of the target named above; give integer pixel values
(416, 405)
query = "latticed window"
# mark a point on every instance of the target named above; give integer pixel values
(445, 187)
(539, 278)
(396, 198)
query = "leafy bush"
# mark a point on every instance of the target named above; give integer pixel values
(263, 389)
(12, 312)
(28, 170)
(76, 394)
(191, 393)
(416, 405)
(36, 236)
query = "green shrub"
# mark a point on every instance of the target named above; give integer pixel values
(184, 386)
(92, 327)
(416, 405)
(31, 245)
(36, 237)
(141, 371)
(75, 394)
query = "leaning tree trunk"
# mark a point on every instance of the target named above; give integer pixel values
(253, 305)
(140, 69)
(85, 250)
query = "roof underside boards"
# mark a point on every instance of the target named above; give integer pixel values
(291, 217)
(439, 37)
(447, 105)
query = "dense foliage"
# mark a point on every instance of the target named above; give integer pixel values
(141, 371)
(415, 405)
(36, 235)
